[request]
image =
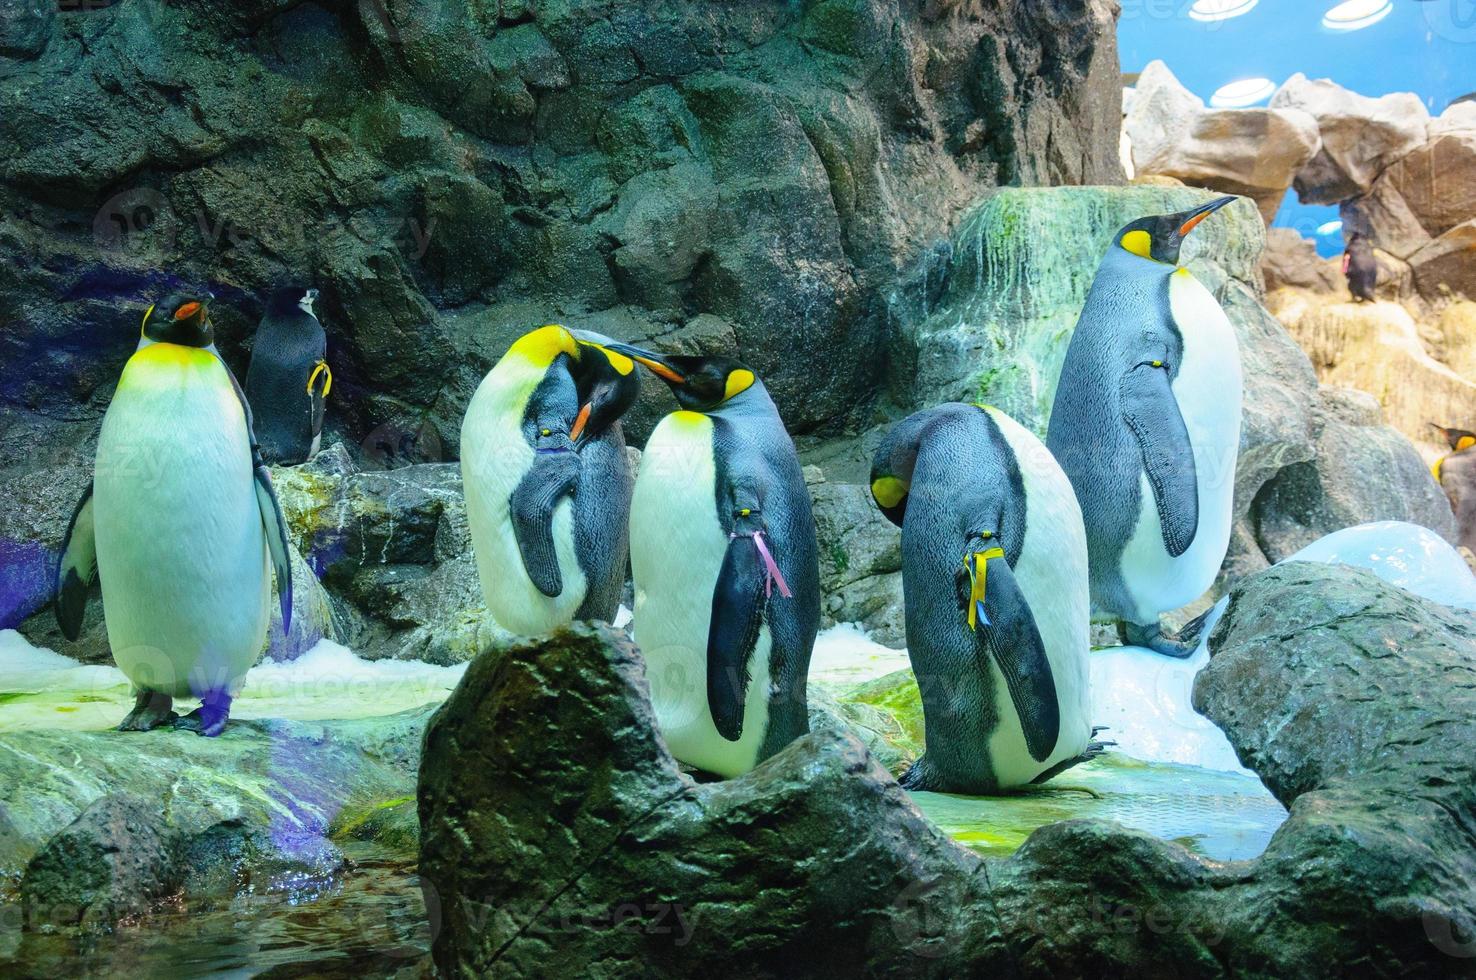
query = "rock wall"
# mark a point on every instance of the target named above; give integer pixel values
(748, 175)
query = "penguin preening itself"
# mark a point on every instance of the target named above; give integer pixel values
(726, 568)
(1146, 425)
(288, 381)
(1456, 474)
(547, 480)
(180, 525)
(994, 579)
(1361, 268)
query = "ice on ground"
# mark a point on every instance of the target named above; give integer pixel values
(1143, 699)
(845, 656)
(1414, 558)
(43, 689)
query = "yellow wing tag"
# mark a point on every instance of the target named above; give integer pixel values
(979, 576)
(321, 368)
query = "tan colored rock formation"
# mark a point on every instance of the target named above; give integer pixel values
(1360, 136)
(1253, 152)
(1377, 348)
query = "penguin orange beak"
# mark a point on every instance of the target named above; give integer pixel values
(1200, 213)
(655, 363)
(580, 421)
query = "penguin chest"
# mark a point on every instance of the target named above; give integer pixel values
(181, 550)
(676, 551)
(494, 459)
(1208, 390)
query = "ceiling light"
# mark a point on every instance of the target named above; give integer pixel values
(1242, 93)
(1211, 10)
(1329, 227)
(1354, 15)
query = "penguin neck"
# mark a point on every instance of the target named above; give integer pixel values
(1120, 262)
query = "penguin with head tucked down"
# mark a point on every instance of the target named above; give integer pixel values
(181, 526)
(288, 381)
(994, 577)
(1456, 474)
(547, 481)
(726, 568)
(1146, 424)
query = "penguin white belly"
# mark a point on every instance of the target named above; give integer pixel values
(1208, 390)
(494, 459)
(676, 551)
(1052, 575)
(181, 550)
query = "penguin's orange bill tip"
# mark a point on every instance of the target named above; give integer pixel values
(186, 311)
(662, 371)
(580, 421)
(1188, 226)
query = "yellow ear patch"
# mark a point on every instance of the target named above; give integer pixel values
(541, 346)
(618, 361)
(888, 491)
(1465, 442)
(739, 381)
(1138, 242)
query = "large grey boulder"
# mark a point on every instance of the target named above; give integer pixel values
(816, 863)
(1360, 136)
(1253, 152)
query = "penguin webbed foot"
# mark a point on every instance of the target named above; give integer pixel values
(1152, 637)
(150, 711)
(210, 718)
(919, 777)
(1093, 749)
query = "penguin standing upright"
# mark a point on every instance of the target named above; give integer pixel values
(1146, 424)
(1456, 474)
(181, 526)
(547, 480)
(1361, 268)
(288, 381)
(726, 568)
(994, 578)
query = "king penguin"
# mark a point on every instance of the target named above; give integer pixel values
(994, 583)
(1146, 424)
(725, 566)
(1361, 268)
(181, 527)
(288, 381)
(1456, 474)
(547, 480)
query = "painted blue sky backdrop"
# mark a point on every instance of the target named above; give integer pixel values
(1424, 47)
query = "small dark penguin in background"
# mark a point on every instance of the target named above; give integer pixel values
(1361, 268)
(288, 381)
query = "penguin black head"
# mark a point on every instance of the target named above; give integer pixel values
(181, 318)
(607, 383)
(1458, 439)
(699, 383)
(1159, 236)
(291, 300)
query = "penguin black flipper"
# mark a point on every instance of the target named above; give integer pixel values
(276, 534)
(1153, 417)
(553, 474)
(272, 521)
(733, 632)
(77, 568)
(1013, 640)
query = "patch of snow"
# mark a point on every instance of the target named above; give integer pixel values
(1414, 558)
(845, 656)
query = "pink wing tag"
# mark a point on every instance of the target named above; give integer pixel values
(774, 576)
